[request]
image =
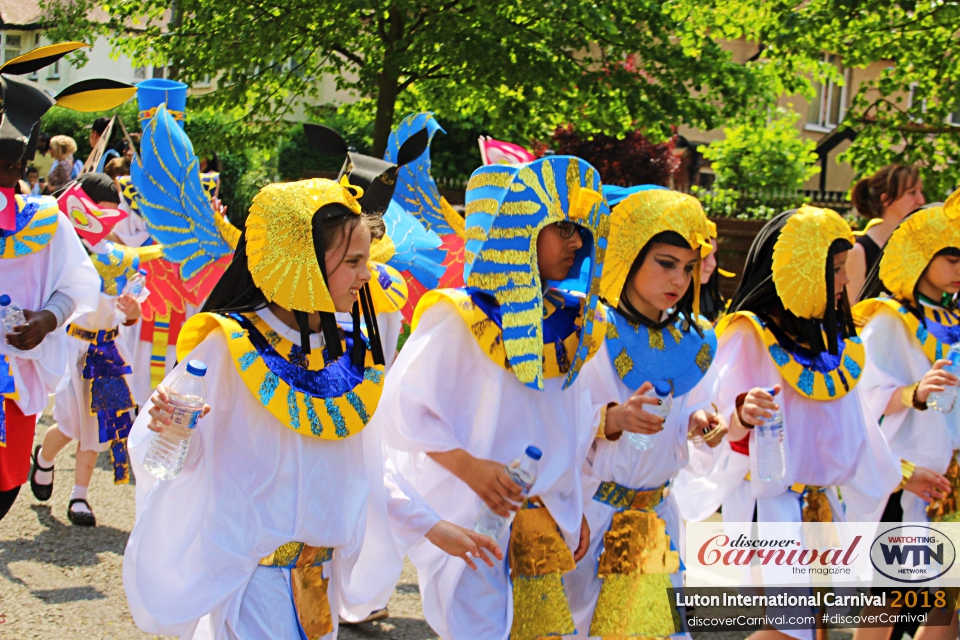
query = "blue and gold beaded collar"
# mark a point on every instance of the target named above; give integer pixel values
(821, 376)
(36, 223)
(562, 325)
(331, 400)
(939, 329)
(640, 354)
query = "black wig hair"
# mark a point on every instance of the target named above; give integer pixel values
(712, 301)
(873, 286)
(684, 306)
(757, 293)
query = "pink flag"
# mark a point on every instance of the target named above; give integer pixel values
(8, 209)
(91, 221)
(499, 152)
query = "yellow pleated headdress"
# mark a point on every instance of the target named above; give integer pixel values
(800, 259)
(637, 219)
(914, 244)
(279, 234)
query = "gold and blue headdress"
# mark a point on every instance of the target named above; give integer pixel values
(507, 206)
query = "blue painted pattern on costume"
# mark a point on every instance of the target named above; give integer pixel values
(234, 335)
(947, 334)
(248, 359)
(373, 375)
(851, 366)
(779, 356)
(316, 427)
(23, 216)
(636, 361)
(292, 409)
(358, 406)
(268, 387)
(340, 427)
(805, 382)
(831, 388)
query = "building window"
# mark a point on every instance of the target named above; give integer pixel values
(954, 118)
(203, 83)
(36, 43)
(139, 73)
(830, 102)
(159, 72)
(54, 71)
(12, 45)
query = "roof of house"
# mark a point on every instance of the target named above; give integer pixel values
(20, 13)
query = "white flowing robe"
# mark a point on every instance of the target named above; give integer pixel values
(928, 438)
(250, 484)
(443, 394)
(619, 462)
(64, 266)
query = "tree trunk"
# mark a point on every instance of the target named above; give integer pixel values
(388, 84)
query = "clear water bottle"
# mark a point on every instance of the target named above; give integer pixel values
(943, 401)
(168, 449)
(523, 470)
(771, 462)
(12, 316)
(644, 441)
(134, 287)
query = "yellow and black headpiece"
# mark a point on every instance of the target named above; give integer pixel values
(377, 178)
(24, 102)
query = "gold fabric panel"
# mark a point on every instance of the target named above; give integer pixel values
(633, 606)
(637, 542)
(946, 510)
(816, 507)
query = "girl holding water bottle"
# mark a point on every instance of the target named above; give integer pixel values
(911, 329)
(271, 502)
(650, 282)
(95, 408)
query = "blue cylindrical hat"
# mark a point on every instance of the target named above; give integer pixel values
(156, 91)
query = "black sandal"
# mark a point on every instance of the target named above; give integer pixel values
(81, 518)
(41, 492)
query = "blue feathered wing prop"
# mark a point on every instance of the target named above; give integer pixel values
(173, 202)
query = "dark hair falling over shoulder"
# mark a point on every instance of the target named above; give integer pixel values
(873, 286)
(757, 293)
(684, 306)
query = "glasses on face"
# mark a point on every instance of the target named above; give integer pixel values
(567, 229)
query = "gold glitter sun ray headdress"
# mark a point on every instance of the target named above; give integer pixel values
(637, 219)
(800, 259)
(915, 242)
(507, 206)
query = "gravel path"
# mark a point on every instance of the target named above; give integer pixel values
(58, 581)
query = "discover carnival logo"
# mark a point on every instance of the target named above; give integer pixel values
(743, 551)
(912, 553)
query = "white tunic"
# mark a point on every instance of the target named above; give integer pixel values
(620, 462)
(835, 443)
(928, 438)
(63, 265)
(71, 408)
(443, 394)
(249, 485)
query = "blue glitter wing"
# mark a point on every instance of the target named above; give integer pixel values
(172, 198)
(416, 191)
(417, 249)
(614, 194)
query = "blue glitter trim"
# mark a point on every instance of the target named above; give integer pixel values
(247, 359)
(292, 410)
(334, 412)
(316, 427)
(828, 380)
(268, 387)
(778, 354)
(358, 406)
(921, 333)
(852, 366)
(3, 421)
(20, 249)
(236, 335)
(843, 380)
(805, 382)
(121, 462)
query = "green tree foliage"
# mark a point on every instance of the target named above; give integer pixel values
(915, 42)
(605, 67)
(763, 155)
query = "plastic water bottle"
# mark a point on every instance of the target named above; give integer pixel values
(134, 287)
(644, 441)
(771, 462)
(168, 449)
(12, 316)
(523, 470)
(943, 401)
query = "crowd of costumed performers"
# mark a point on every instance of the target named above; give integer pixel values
(572, 389)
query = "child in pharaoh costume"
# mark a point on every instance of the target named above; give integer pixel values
(95, 408)
(258, 535)
(43, 266)
(651, 281)
(910, 319)
(493, 368)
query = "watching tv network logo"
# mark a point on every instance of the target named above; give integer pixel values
(912, 554)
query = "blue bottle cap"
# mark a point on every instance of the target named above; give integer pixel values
(772, 391)
(143, 272)
(197, 368)
(4, 300)
(662, 387)
(534, 453)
